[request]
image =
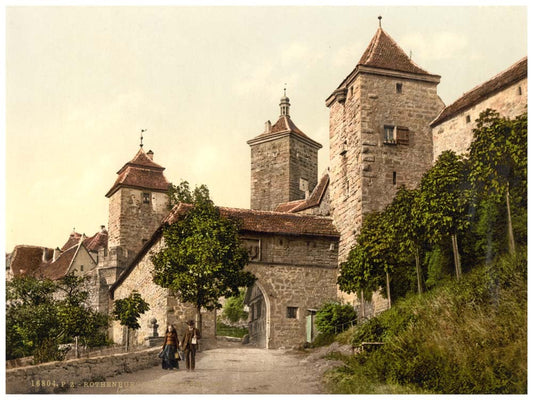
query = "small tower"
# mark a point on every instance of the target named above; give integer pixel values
(284, 164)
(137, 204)
(379, 134)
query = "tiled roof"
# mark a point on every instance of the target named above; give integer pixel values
(312, 201)
(268, 221)
(383, 52)
(285, 125)
(26, 260)
(513, 74)
(58, 268)
(97, 241)
(142, 173)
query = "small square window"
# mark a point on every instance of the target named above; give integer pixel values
(399, 87)
(389, 134)
(292, 312)
(146, 198)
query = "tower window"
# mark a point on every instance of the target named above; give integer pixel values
(146, 198)
(394, 177)
(468, 119)
(389, 134)
(399, 87)
(292, 312)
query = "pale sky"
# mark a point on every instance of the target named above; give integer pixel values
(81, 82)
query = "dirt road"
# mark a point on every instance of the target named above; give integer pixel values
(231, 370)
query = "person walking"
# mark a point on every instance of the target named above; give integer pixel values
(190, 344)
(170, 346)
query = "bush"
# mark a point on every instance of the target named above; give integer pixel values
(334, 317)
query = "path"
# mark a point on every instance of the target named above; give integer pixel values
(229, 370)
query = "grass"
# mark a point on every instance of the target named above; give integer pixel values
(227, 330)
(466, 337)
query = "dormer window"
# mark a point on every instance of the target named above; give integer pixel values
(146, 198)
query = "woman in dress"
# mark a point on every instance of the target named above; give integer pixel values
(170, 346)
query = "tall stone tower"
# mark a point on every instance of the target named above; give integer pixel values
(284, 164)
(137, 204)
(380, 137)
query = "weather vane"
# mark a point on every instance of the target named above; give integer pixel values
(142, 131)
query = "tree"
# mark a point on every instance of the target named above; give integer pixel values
(498, 160)
(42, 314)
(402, 218)
(444, 201)
(128, 311)
(234, 308)
(201, 259)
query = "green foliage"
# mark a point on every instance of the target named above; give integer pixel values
(232, 331)
(464, 337)
(128, 310)
(334, 317)
(233, 309)
(42, 314)
(202, 258)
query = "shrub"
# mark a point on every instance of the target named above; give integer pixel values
(334, 317)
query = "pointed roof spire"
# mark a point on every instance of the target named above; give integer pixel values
(384, 52)
(284, 104)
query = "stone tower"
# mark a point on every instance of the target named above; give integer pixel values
(284, 164)
(380, 137)
(137, 204)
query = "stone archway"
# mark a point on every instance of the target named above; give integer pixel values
(259, 315)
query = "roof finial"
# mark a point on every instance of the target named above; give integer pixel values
(142, 130)
(379, 18)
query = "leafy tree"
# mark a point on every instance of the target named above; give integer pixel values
(202, 259)
(128, 311)
(498, 161)
(444, 201)
(234, 308)
(402, 218)
(333, 317)
(42, 314)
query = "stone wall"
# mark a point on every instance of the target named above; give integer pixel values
(294, 272)
(131, 221)
(164, 307)
(456, 133)
(57, 376)
(276, 168)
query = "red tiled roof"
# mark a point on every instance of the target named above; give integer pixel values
(289, 206)
(312, 201)
(26, 260)
(384, 52)
(97, 241)
(58, 268)
(142, 173)
(268, 221)
(285, 125)
(504, 79)
(73, 240)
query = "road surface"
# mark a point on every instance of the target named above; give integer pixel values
(227, 370)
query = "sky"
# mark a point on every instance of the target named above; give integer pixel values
(81, 83)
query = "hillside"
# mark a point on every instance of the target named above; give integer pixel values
(464, 337)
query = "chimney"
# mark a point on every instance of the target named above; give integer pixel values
(268, 126)
(57, 253)
(150, 155)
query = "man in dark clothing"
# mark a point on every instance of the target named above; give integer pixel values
(190, 344)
